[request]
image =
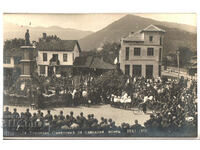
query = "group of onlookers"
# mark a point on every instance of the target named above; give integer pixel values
(27, 122)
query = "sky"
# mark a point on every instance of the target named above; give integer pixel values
(89, 22)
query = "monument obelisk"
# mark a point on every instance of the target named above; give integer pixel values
(27, 58)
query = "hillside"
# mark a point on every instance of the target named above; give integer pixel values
(176, 34)
(15, 31)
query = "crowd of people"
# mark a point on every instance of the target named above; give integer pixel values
(153, 94)
(27, 122)
(172, 103)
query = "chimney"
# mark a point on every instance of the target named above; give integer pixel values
(44, 35)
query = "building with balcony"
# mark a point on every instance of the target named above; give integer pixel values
(141, 52)
(57, 56)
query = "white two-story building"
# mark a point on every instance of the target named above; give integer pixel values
(57, 56)
(141, 52)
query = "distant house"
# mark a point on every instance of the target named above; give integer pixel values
(91, 64)
(57, 56)
(86, 67)
(8, 62)
(11, 68)
(141, 52)
(192, 69)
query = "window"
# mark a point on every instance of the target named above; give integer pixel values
(159, 70)
(137, 51)
(137, 70)
(149, 71)
(151, 38)
(42, 69)
(160, 40)
(44, 56)
(150, 52)
(65, 57)
(7, 60)
(127, 53)
(57, 70)
(55, 57)
(127, 69)
(160, 54)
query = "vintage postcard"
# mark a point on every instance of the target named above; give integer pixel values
(99, 75)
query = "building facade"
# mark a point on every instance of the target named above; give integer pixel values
(57, 56)
(11, 69)
(141, 52)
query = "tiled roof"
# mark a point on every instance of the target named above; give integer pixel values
(92, 62)
(137, 36)
(152, 28)
(58, 45)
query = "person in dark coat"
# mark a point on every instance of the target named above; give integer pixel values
(15, 118)
(7, 117)
(144, 107)
(71, 117)
(54, 122)
(33, 122)
(27, 115)
(48, 116)
(83, 121)
(61, 116)
(137, 127)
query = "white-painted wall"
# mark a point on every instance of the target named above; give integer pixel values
(69, 61)
(11, 64)
(143, 59)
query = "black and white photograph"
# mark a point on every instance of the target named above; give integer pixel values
(99, 75)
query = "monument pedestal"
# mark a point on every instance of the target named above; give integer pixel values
(25, 88)
(27, 62)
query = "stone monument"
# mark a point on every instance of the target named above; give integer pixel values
(27, 58)
(24, 89)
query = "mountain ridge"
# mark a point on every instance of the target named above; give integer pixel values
(131, 23)
(16, 31)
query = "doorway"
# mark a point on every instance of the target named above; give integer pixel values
(137, 70)
(50, 71)
(149, 71)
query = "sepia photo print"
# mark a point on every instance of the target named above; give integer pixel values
(99, 75)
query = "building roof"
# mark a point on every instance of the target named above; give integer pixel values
(58, 45)
(139, 36)
(152, 28)
(92, 62)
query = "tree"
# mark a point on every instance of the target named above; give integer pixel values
(185, 56)
(110, 51)
(13, 46)
(49, 38)
(110, 81)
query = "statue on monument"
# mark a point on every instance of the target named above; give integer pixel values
(27, 38)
